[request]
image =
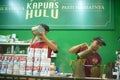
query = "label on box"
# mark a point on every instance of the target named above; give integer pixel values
(29, 63)
(36, 61)
(0, 59)
(37, 52)
(45, 62)
(10, 66)
(0, 67)
(22, 72)
(45, 71)
(16, 60)
(22, 67)
(10, 60)
(16, 66)
(9, 71)
(30, 59)
(36, 70)
(16, 71)
(28, 67)
(23, 60)
(30, 52)
(5, 60)
(44, 53)
(28, 70)
(4, 68)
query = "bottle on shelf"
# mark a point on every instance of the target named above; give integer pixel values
(17, 50)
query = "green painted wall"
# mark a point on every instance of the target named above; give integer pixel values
(68, 38)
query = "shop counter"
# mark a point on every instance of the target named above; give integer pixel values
(26, 77)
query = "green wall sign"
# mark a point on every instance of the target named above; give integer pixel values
(58, 14)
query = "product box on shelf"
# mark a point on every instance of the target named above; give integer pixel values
(30, 61)
(30, 52)
(16, 60)
(36, 70)
(1, 59)
(45, 62)
(0, 67)
(4, 64)
(16, 65)
(4, 59)
(10, 64)
(28, 70)
(4, 68)
(10, 69)
(36, 61)
(45, 71)
(22, 69)
(37, 52)
(16, 71)
(23, 60)
(45, 67)
(44, 53)
(10, 60)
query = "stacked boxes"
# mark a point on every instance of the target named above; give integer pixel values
(16, 66)
(40, 60)
(10, 64)
(13, 64)
(45, 63)
(0, 62)
(23, 60)
(30, 58)
(37, 59)
(4, 64)
(35, 63)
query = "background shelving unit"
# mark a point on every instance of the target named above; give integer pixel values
(12, 45)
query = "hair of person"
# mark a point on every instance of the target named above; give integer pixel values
(46, 27)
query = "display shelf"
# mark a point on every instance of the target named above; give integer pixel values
(53, 55)
(15, 44)
(13, 54)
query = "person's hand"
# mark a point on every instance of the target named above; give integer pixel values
(94, 61)
(84, 45)
(91, 49)
(42, 37)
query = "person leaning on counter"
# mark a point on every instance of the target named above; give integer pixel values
(88, 60)
(40, 32)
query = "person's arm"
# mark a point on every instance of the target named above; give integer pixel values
(75, 49)
(86, 53)
(50, 43)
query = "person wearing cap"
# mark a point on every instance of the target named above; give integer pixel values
(88, 59)
(43, 42)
